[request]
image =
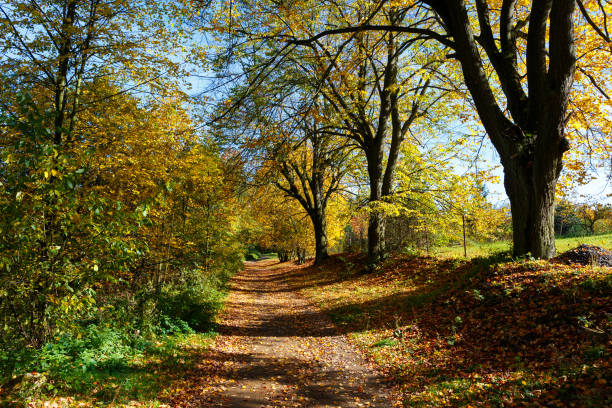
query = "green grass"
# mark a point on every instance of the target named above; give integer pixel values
(386, 342)
(255, 255)
(602, 240)
(139, 377)
(252, 255)
(476, 249)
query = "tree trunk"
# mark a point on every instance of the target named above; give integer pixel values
(64, 54)
(464, 240)
(532, 201)
(530, 142)
(362, 242)
(320, 229)
(376, 225)
(376, 237)
(301, 255)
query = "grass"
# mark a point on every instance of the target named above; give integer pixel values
(477, 249)
(602, 240)
(252, 255)
(483, 332)
(386, 342)
(255, 255)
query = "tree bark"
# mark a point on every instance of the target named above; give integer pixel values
(464, 240)
(376, 238)
(376, 224)
(64, 54)
(320, 230)
(531, 189)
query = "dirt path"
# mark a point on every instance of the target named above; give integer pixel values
(275, 349)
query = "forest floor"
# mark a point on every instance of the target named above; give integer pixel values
(486, 332)
(416, 331)
(276, 349)
(490, 332)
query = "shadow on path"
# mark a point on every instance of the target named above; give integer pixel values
(275, 349)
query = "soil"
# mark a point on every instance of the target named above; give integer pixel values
(276, 349)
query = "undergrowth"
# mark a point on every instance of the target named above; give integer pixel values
(131, 349)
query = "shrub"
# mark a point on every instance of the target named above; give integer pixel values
(194, 300)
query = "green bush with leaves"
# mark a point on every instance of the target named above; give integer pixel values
(91, 277)
(191, 302)
(58, 239)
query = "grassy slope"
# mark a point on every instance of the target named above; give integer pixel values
(477, 333)
(484, 249)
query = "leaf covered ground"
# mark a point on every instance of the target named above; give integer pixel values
(484, 332)
(273, 349)
(276, 349)
(432, 333)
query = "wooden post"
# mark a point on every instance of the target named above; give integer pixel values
(464, 243)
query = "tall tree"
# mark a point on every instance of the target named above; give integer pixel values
(377, 84)
(386, 102)
(591, 213)
(312, 172)
(70, 228)
(534, 61)
(530, 141)
(62, 48)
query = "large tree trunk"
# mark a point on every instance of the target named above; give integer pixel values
(376, 237)
(376, 225)
(532, 201)
(320, 229)
(531, 141)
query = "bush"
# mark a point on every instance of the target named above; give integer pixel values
(253, 255)
(66, 359)
(191, 302)
(124, 328)
(98, 348)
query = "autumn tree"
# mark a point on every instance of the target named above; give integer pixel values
(312, 171)
(69, 57)
(379, 84)
(303, 158)
(437, 202)
(567, 219)
(105, 189)
(281, 224)
(530, 142)
(590, 214)
(534, 60)
(61, 49)
(145, 206)
(289, 138)
(379, 103)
